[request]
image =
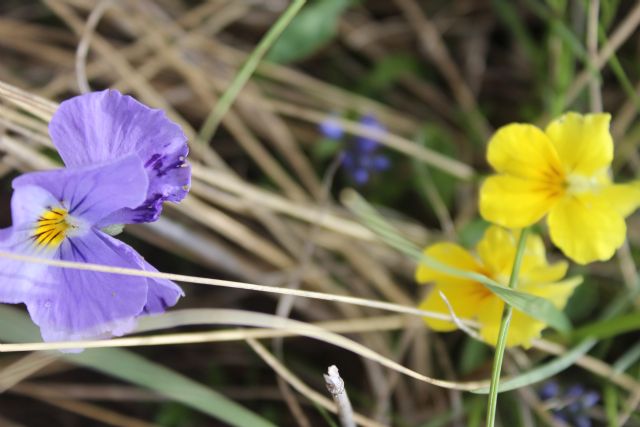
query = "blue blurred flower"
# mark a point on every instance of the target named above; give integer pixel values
(361, 158)
(571, 406)
(331, 127)
(549, 390)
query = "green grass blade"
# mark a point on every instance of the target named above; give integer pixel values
(627, 359)
(244, 74)
(314, 27)
(611, 405)
(545, 371)
(501, 344)
(610, 327)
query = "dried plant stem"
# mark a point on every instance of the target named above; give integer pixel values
(592, 46)
(446, 164)
(91, 411)
(277, 203)
(502, 334)
(24, 368)
(213, 120)
(300, 386)
(432, 42)
(285, 303)
(335, 385)
(85, 41)
(622, 33)
(398, 308)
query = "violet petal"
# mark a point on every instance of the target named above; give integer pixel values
(103, 126)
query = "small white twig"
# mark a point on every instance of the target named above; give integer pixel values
(335, 385)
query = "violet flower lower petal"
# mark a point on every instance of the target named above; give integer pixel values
(102, 126)
(87, 304)
(18, 280)
(161, 293)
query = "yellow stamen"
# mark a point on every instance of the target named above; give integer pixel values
(51, 228)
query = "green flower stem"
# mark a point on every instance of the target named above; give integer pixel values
(215, 116)
(502, 335)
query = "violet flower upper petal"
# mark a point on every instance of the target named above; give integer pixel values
(101, 127)
(91, 193)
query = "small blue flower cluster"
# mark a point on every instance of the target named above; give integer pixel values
(572, 405)
(361, 157)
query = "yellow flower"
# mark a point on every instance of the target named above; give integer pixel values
(472, 300)
(563, 173)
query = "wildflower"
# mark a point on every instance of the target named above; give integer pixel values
(549, 390)
(123, 160)
(361, 158)
(331, 127)
(562, 173)
(570, 406)
(472, 300)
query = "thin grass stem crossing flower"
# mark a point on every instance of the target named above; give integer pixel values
(563, 174)
(472, 300)
(123, 160)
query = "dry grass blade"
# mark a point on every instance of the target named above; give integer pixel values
(250, 318)
(88, 410)
(24, 368)
(237, 285)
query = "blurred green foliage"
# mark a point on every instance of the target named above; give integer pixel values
(315, 26)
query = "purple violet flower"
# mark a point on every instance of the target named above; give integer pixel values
(123, 160)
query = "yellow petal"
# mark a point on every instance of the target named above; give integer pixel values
(489, 316)
(624, 198)
(583, 143)
(497, 250)
(586, 228)
(558, 292)
(450, 254)
(546, 273)
(535, 268)
(516, 202)
(523, 328)
(463, 298)
(524, 151)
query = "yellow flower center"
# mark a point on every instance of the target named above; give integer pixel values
(51, 228)
(578, 184)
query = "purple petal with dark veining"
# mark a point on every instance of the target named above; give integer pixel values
(104, 126)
